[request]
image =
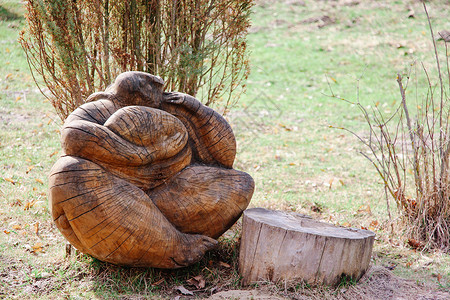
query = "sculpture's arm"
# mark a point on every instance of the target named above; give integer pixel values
(132, 136)
(99, 144)
(211, 137)
(97, 111)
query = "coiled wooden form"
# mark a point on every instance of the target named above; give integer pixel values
(146, 177)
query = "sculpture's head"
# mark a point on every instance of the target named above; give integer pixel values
(137, 88)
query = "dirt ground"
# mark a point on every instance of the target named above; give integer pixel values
(377, 283)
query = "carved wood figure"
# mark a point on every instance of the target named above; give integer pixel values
(146, 176)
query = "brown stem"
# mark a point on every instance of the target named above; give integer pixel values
(411, 136)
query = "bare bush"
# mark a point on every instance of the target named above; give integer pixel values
(411, 153)
(79, 47)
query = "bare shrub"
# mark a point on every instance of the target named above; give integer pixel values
(79, 47)
(411, 154)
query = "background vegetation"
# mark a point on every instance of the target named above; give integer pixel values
(77, 48)
(299, 50)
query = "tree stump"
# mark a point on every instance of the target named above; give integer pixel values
(278, 246)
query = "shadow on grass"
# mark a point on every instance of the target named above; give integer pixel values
(7, 15)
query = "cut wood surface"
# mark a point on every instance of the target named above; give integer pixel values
(146, 177)
(277, 246)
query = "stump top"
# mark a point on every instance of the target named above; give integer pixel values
(304, 223)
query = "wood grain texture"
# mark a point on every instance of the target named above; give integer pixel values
(146, 177)
(277, 246)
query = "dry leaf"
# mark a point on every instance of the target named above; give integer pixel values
(36, 228)
(330, 183)
(346, 224)
(224, 264)
(184, 290)
(38, 247)
(10, 180)
(40, 181)
(197, 281)
(54, 153)
(17, 227)
(415, 244)
(374, 223)
(29, 169)
(6, 231)
(16, 203)
(439, 277)
(29, 204)
(158, 282)
(364, 209)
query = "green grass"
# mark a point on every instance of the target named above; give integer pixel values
(282, 124)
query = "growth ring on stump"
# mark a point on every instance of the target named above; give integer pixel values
(279, 246)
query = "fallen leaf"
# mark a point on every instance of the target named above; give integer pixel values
(10, 180)
(415, 244)
(54, 153)
(29, 169)
(374, 223)
(16, 203)
(409, 264)
(346, 224)
(439, 277)
(17, 227)
(330, 183)
(224, 264)
(364, 209)
(158, 282)
(6, 231)
(36, 228)
(29, 204)
(38, 247)
(184, 290)
(197, 281)
(40, 181)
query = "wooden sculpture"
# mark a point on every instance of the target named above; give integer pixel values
(146, 176)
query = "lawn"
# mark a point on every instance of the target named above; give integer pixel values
(302, 53)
